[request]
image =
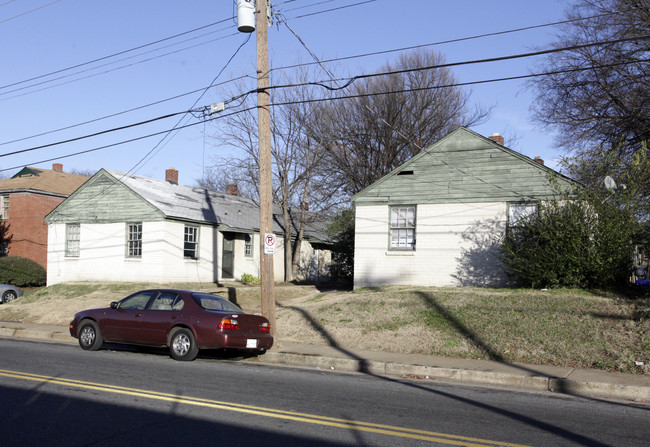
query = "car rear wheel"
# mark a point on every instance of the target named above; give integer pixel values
(8, 296)
(90, 339)
(182, 345)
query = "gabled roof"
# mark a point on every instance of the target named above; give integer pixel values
(201, 205)
(113, 196)
(43, 181)
(464, 167)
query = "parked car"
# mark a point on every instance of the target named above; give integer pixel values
(9, 293)
(183, 320)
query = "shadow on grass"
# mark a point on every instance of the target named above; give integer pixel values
(363, 367)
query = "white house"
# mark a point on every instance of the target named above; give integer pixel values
(125, 228)
(438, 219)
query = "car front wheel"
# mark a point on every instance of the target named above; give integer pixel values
(8, 296)
(90, 339)
(182, 345)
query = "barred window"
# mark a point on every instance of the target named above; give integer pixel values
(402, 228)
(134, 240)
(191, 242)
(72, 233)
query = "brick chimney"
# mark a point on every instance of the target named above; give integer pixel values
(539, 160)
(171, 176)
(57, 167)
(497, 138)
(232, 189)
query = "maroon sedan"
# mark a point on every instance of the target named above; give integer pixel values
(185, 321)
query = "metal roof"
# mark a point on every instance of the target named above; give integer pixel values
(201, 205)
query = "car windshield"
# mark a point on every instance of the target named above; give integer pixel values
(215, 302)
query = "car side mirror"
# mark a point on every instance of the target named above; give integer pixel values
(115, 305)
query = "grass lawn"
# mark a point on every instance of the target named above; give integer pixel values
(556, 327)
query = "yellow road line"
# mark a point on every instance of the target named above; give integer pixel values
(267, 412)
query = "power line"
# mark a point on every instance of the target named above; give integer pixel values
(110, 56)
(309, 101)
(349, 82)
(27, 12)
(99, 59)
(106, 71)
(279, 68)
(351, 96)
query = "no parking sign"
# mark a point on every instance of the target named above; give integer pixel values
(269, 244)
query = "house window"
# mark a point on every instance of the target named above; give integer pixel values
(402, 228)
(517, 212)
(248, 245)
(72, 232)
(191, 242)
(134, 240)
(4, 207)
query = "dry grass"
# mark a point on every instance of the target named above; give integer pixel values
(560, 327)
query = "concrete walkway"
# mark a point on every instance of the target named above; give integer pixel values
(574, 381)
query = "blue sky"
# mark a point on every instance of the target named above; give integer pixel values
(42, 39)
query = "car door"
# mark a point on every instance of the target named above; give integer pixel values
(164, 312)
(125, 324)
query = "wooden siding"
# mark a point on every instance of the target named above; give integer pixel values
(103, 199)
(463, 167)
(456, 245)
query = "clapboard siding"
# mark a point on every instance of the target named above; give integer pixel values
(460, 188)
(464, 167)
(104, 199)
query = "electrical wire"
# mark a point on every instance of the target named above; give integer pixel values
(285, 67)
(27, 12)
(315, 100)
(160, 144)
(222, 116)
(350, 80)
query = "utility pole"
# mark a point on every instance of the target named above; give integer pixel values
(264, 136)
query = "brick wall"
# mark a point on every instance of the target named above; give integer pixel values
(26, 213)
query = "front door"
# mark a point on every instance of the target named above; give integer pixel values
(228, 256)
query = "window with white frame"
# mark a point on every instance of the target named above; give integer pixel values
(72, 238)
(191, 242)
(402, 227)
(520, 211)
(248, 245)
(4, 207)
(134, 240)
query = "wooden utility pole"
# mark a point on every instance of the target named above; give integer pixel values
(264, 135)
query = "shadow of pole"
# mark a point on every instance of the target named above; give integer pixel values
(362, 364)
(363, 367)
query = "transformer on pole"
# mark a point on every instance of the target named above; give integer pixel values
(246, 16)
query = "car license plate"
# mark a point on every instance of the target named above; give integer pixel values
(251, 342)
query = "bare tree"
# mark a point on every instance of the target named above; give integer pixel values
(297, 183)
(599, 94)
(380, 122)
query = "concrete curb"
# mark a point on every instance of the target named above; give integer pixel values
(538, 383)
(584, 383)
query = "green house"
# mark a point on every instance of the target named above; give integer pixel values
(438, 219)
(121, 227)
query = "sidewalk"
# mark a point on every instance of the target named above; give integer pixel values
(579, 382)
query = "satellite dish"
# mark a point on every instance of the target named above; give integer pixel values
(609, 183)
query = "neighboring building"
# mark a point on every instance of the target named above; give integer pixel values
(438, 219)
(123, 227)
(25, 200)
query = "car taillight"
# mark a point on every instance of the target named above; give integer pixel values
(229, 324)
(266, 327)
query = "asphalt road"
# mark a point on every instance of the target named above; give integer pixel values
(60, 395)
